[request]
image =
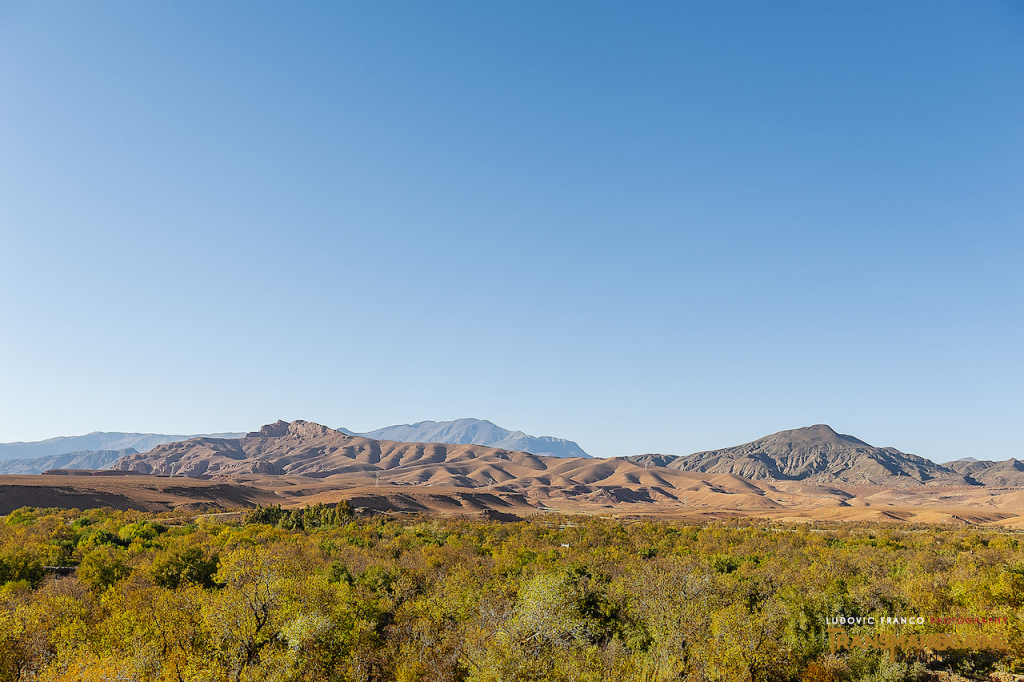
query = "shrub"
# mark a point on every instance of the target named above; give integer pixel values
(103, 567)
(189, 566)
(827, 669)
(21, 567)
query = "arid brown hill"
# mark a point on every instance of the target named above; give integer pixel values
(301, 463)
(814, 454)
(817, 453)
(304, 449)
(1007, 474)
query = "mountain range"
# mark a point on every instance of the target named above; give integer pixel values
(99, 450)
(86, 459)
(297, 457)
(815, 454)
(811, 472)
(301, 448)
(92, 442)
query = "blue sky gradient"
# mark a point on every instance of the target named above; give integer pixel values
(646, 227)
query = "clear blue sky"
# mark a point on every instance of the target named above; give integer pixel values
(662, 226)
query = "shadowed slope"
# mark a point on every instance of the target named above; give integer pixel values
(78, 489)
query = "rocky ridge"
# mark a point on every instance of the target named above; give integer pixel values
(814, 453)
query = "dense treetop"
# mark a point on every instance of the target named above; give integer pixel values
(316, 594)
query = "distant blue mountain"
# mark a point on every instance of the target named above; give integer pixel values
(87, 459)
(475, 432)
(93, 442)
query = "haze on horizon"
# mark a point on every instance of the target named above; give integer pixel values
(668, 228)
